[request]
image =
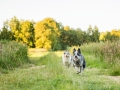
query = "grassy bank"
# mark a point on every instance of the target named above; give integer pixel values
(47, 73)
(107, 55)
(13, 54)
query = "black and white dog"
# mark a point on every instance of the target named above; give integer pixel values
(78, 60)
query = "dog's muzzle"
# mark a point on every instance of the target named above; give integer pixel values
(67, 56)
(75, 56)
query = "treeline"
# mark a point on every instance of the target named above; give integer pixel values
(110, 36)
(47, 33)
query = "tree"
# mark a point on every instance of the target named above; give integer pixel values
(14, 25)
(5, 34)
(66, 28)
(95, 34)
(92, 34)
(89, 34)
(102, 36)
(27, 32)
(71, 37)
(63, 37)
(108, 36)
(80, 36)
(47, 34)
(42, 36)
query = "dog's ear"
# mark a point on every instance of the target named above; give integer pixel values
(74, 49)
(79, 50)
(64, 52)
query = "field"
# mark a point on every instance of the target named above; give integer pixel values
(46, 72)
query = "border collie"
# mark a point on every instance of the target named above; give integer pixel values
(78, 60)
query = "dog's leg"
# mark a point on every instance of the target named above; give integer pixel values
(77, 69)
(81, 70)
(73, 65)
(68, 65)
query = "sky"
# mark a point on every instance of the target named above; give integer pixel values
(105, 14)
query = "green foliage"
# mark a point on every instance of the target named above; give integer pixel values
(27, 33)
(71, 37)
(67, 36)
(13, 55)
(5, 34)
(115, 70)
(93, 34)
(108, 54)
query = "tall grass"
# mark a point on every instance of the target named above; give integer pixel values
(13, 55)
(108, 54)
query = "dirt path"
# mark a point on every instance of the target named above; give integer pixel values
(115, 78)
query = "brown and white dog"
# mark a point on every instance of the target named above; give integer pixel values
(66, 58)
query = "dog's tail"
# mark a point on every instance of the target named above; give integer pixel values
(84, 63)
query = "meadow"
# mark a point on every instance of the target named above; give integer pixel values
(46, 72)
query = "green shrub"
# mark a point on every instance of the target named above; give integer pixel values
(13, 54)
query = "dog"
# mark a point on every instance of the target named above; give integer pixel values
(78, 60)
(66, 59)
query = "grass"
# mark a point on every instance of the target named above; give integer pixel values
(13, 55)
(47, 73)
(107, 56)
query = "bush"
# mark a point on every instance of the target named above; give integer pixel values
(13, 54)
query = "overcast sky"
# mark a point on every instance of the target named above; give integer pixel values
(105, 14)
